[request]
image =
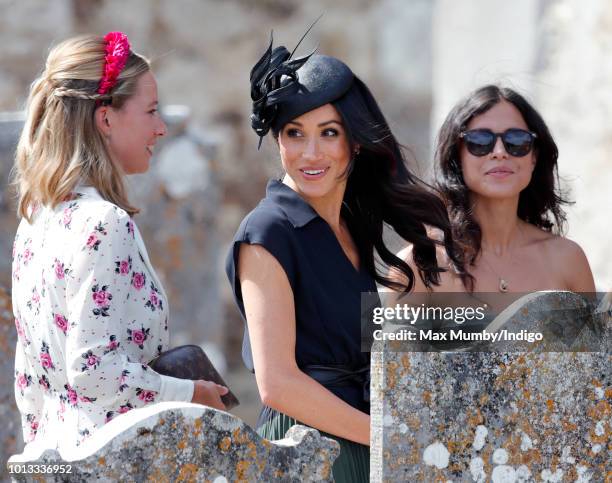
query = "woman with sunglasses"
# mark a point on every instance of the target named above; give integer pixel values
(497, 169)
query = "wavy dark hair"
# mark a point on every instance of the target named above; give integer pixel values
(380, 190)
(540, 203)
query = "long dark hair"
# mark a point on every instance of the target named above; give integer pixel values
(380, 190)
(539, 203)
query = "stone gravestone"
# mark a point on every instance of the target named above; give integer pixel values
(187, 442)
(495, 416)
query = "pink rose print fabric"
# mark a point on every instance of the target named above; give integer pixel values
(112, 345)
(45, 358)
(21, 333)
(123, 266)
(90, 314)
(61, 323)
(22, 381)
(60, 270)
(44, 382)
(66, 219)
(138, 337)
(101, 297)
(155, 302)
(32, 425)
(138, 280)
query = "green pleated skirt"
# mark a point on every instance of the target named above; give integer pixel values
(351, 466)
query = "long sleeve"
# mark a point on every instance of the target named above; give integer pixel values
(28, 394)
(112, 304)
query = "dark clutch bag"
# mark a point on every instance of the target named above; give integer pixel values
(191, 362)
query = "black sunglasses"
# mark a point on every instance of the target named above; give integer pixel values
(481, 142)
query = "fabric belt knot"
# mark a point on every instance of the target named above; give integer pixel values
(340, 375)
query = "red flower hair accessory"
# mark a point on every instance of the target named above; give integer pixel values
(117, 52)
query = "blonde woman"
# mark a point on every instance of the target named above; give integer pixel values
(89, 309)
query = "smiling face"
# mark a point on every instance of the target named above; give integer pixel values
(133, 129)
(497, 174)
(315, 154)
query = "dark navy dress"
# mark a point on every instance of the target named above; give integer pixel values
(327, 294)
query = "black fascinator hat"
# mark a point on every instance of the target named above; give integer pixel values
(283, 88)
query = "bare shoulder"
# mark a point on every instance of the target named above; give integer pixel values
(566, 248)
(449, 280)
(556, 245)
(571, 253)
(257, 263)
(569, 258)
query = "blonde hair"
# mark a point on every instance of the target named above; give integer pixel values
(60, 145)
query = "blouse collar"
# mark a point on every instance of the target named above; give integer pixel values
(87, 191)
(298, 211)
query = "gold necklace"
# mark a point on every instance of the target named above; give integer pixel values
(503, 283)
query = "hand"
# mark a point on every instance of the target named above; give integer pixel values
(209, 394)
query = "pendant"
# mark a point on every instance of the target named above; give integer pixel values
(503, 285)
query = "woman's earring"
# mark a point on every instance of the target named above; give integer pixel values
(357, 150)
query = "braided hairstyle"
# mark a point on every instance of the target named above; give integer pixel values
(60, 145)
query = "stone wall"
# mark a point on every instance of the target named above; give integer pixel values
(496, 416)
(187, 442)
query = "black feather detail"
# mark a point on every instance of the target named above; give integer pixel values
(273, 79)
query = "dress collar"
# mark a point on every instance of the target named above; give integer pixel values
(90, 191)
(298, 211)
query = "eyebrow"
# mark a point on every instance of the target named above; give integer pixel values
(151, 104)
(321, 124)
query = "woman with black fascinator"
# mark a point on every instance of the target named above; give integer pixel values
(301, 259)
(497, 169)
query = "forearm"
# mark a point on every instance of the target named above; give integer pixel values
(301, 397)
(116, 380)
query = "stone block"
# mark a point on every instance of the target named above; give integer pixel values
(183, 441)
(494, 416)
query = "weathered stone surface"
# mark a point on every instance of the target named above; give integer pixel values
(566, 320)
(489, 416)
(187, 442)
(10, 429)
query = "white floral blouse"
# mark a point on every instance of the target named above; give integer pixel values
(90, 314)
